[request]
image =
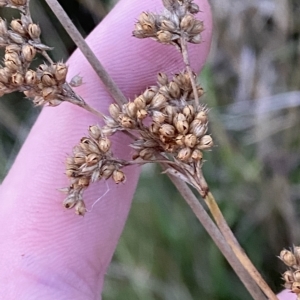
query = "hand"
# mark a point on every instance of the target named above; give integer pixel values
(46, 251)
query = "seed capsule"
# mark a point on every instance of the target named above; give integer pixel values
(168, 25)
(202, 116)
(205, 143)
(197, 155)
(17, 38)
(4, 75)
(114, 110)
(28, 52)
(190, 140)
(34, 31)
(95, 132)
(49, 93)
(131, 109)
(296, 287)
(187, 22)
(118, 176)
(288, 258)
(17, 26)
(140, 102)
(69, 202)
(158, 101)
(48, 79)
(167, 130)
(61, 71)
(164, 37)
(141, 114)
(104, 144)
(107, 170)
(184, 154)
(174, 90)
(147, 153)
(80, 208)
(30, 77)
(17, 79)
(162, 78)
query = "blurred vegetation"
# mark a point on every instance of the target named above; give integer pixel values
(252, 83)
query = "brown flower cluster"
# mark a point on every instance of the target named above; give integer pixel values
(292, 277)
(21, 40)
(91, 161)
(176, 21)
(167, 120)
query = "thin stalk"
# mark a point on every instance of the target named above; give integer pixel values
(217, 237)
(111, 86)
(186, 60)
(234, 244)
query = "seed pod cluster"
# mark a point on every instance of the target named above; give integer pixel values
(21, 40)
(292, 276)
(176, 21)
(91, 161)
(167, 120)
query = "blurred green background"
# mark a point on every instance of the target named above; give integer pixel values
(252, 84)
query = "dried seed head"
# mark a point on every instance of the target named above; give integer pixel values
(141, 114)
(12, 61)
(197, 28)
(69, 202)
(140, 102)
(147, 153)
(49, 93)
(158, 101)
(30, 77)
(158, 117)
(187, 22)
(296, 275)
(48, 79)
(184, 154)
(104, 144)
(34, 31)
(188, 112)
(197, 39)
(205, 143)
(168, 25)
(296, 287)
(127, 122)
(118, 176)
(197, 155)
(17, 26)
(165, 37)
(174, 89)
(179, 140)
(107, 170)
(149, 94)
(288, 257)
(28, 52)
(18, 2)
(162, 78)
(131, 109)
(17, 79)
(288, 276)
(61, 71)
(190, 140)
(197, 128)
(15, 37)
(114, 110)
(202, 116)
(166, 130)
(80, 208)
(92, 159)
(193, 8)
(95, 132)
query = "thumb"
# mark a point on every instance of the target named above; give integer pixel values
(45, 250)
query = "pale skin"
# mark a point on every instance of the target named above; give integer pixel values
(46, 251)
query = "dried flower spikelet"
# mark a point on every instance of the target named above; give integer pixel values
(34, 31)
(80, 208)
(118, 176)
(17, 26)
(288, 257)
(30, 77)
(114, 110)
(184, 154)
(15, 37)
(28, 52)
(140, 102)
(162, 78)
(5, 75)
(167, 130)
(17, 79)
(60, 72)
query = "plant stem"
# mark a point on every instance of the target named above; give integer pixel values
(111, 86)
(217, 237)
(186, 60)
(234, 244)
